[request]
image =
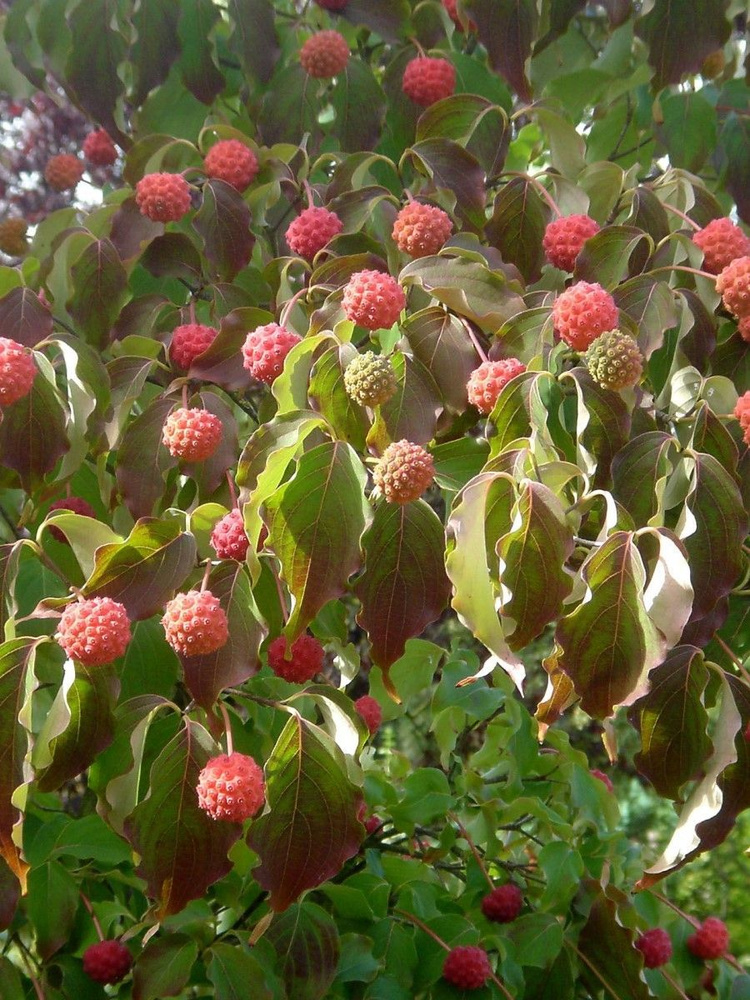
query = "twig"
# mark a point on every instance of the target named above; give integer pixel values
(227, 728)
(472, 847)
(733, 657)
(94, 918)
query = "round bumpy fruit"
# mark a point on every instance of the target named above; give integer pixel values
(75, 504)
(311, 230)
(604, 778)
(404, 472)
(615, 361)
(373, 300)
(231, 161)
(228, 539)
(13, 237)
(195, 623)
(63, 172)
(324, 55)
(188, 341)
(655, 946)
(742, 412)
(733, 284)
(369, 379)
(163, 197)
(231, 788)
(583, 312)
(370, 712)
(94, 632)
(99, 149)
(488, 380)
(265, 350)
(711, 940)
(467, 967)
(421, 230)
(107, 962)
(503, 904)
(305, 658)
(721, 242)
(17, 371)
(427, 80)
(564, 239)
(192, 435)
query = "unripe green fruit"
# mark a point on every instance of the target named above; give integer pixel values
(614, 360)
(370, 379)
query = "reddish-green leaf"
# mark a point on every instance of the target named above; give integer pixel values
(100, 290)
(454, 169)
(163, 967)
(310, 828)
(97, 49)
(290, 106)
(507, 28)
(613, 254)
(605, 946)
(199, 71)
(603, 425)
(672, 722)
(206, 676)
(441, 343)
(404, 586)
(183, 851)
(223, 223)
(316, 521)
(253, 36)
(23, 318)
(157, 45)
(388, 18)
(10, 894)
(680, 34)
(412, 412)
(142, 459)
(144, 570)
(222, 362)
(359, 103)
(519, 218)
(306, 941)
(639, 474)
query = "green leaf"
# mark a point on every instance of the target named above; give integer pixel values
(182, 850)
(253, 36)
(613, 254)
(206, 676)
(53, 901)
(223, 223)
(23, 318)
(10, 981)
(327, 393)
(145, 569)
(672, 722)
(411, 414)
(156, 47)
(388, 18)
(605, 946)
(309, 829)
(680, 34)
(199, 72)
(688, 129)
(608, 644)
(315, 523)
(98, 47)
(537, 938)
(306, 941)
(290, 107)
(163, 967)
(532, 560)
(234, 973)
(404, 586)
(518, 222)
(359, 103)
(602, 425)
(639, 474)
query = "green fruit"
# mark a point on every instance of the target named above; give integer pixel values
(370, 379)
(614, 360)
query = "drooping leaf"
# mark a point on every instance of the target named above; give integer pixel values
(328, 394)
(412, 412)
(680, 34)
(613, 254)
(639, 475)
(97, 49)
(145, 569)
(519, 218)
(507, 28)
(388, 18)
(253, 36)
(454, 169)
(142, 460)
(605, 947)
(100, 289)
(310, 828)
(235, 972)
(206, 676)
(603, 425)
(163, 967)
(315, 523)
(404, 586)
(182, 850)
(222, 362)
(360, 106)
(23, 318)
(200, 73)
(172, 255)
(290, 107)
(223, 223)
(306, 940)
(157, 45)
(441, 343)
(672, 721)
(53, 902)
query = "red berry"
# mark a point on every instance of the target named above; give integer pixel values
(564, 239)
(721, 242)
(656, 947)
(63, 171)
(163, 197)
(582, 312)
(742, 412)
(373, 300)
(193, 435)
(188, 341)
(404, 472)
(311, 230)
(94, 632)
(324, 55)
(265, 350)
(233, 162)
(421, 230)
(195, 623)
(17, 371)
(107, 962)
(467, 967)
(733, 284)
(305, 658)
(711, 940)
(77, 505)
(99, 149)
(370, 711)
(427, 80)
(503, 904)
(231, 788)
(604, 778)
(488, 380)
(228, 538)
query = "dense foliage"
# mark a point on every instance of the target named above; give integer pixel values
(386, 400)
